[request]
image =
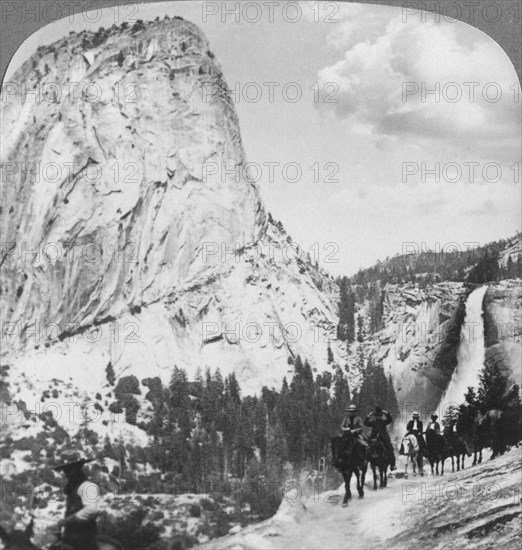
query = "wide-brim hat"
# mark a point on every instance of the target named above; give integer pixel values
(415, 413)
(71, 459)
(434, 416)
(351, 408)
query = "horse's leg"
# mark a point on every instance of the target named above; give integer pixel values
(363, 469)
(358, 480)
(452, 465)
(374, 477)
(346, 488)
(458, 462)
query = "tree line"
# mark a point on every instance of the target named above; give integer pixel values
(204, 430)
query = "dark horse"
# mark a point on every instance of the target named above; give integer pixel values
(21, 540)
(437, 451)
(379, 460)
(350, 459)
(457, 448)
(18, 540)
(488, 430)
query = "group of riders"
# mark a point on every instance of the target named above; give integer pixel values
(378, 420)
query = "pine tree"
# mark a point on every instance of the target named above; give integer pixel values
(375, 389)
(392, 405)
(341, 397)
(177, 429)
(330, 357)
(492, 387)
(366, 396)
(360, 329)
(276, 450)
(346, 326)
(451, 415)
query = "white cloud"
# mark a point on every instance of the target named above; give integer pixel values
(385, 74)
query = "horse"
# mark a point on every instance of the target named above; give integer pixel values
(351, 459)
(18, 540)
(103, 542)
(488, 430)
(457, 448)
(21, 540)
(436, 450)
(380, 460)
(413, 454)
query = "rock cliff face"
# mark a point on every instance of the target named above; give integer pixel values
(152, 246)
(503, 327)
(419, 326)
(419, 345)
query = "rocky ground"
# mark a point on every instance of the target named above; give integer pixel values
(477, 508)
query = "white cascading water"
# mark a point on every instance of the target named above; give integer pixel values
(470, 354)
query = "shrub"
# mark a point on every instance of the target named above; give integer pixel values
(181, 541)
(116, 407)
(195, 510)
(130, 529)
(109, 372)
(127, 384)
(156, 515)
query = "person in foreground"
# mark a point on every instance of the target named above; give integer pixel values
(81, 509)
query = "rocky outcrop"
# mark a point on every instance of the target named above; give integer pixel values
(503, 327)
(422, 335)
(153, 248)
(422, 330)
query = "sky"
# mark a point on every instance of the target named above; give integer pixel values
(370, 163)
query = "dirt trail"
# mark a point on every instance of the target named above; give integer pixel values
(476, 508)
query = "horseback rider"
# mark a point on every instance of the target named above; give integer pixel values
(377, 421)
(451, 428)
(81, 509)
(353, 424)
(415, 427)
(433, 425)
(454, 440)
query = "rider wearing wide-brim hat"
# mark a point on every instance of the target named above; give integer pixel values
(82, 501)
(378, 420)
(416, 428)
(352, 424)
(433, 425)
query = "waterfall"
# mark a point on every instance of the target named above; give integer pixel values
(470, 355)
